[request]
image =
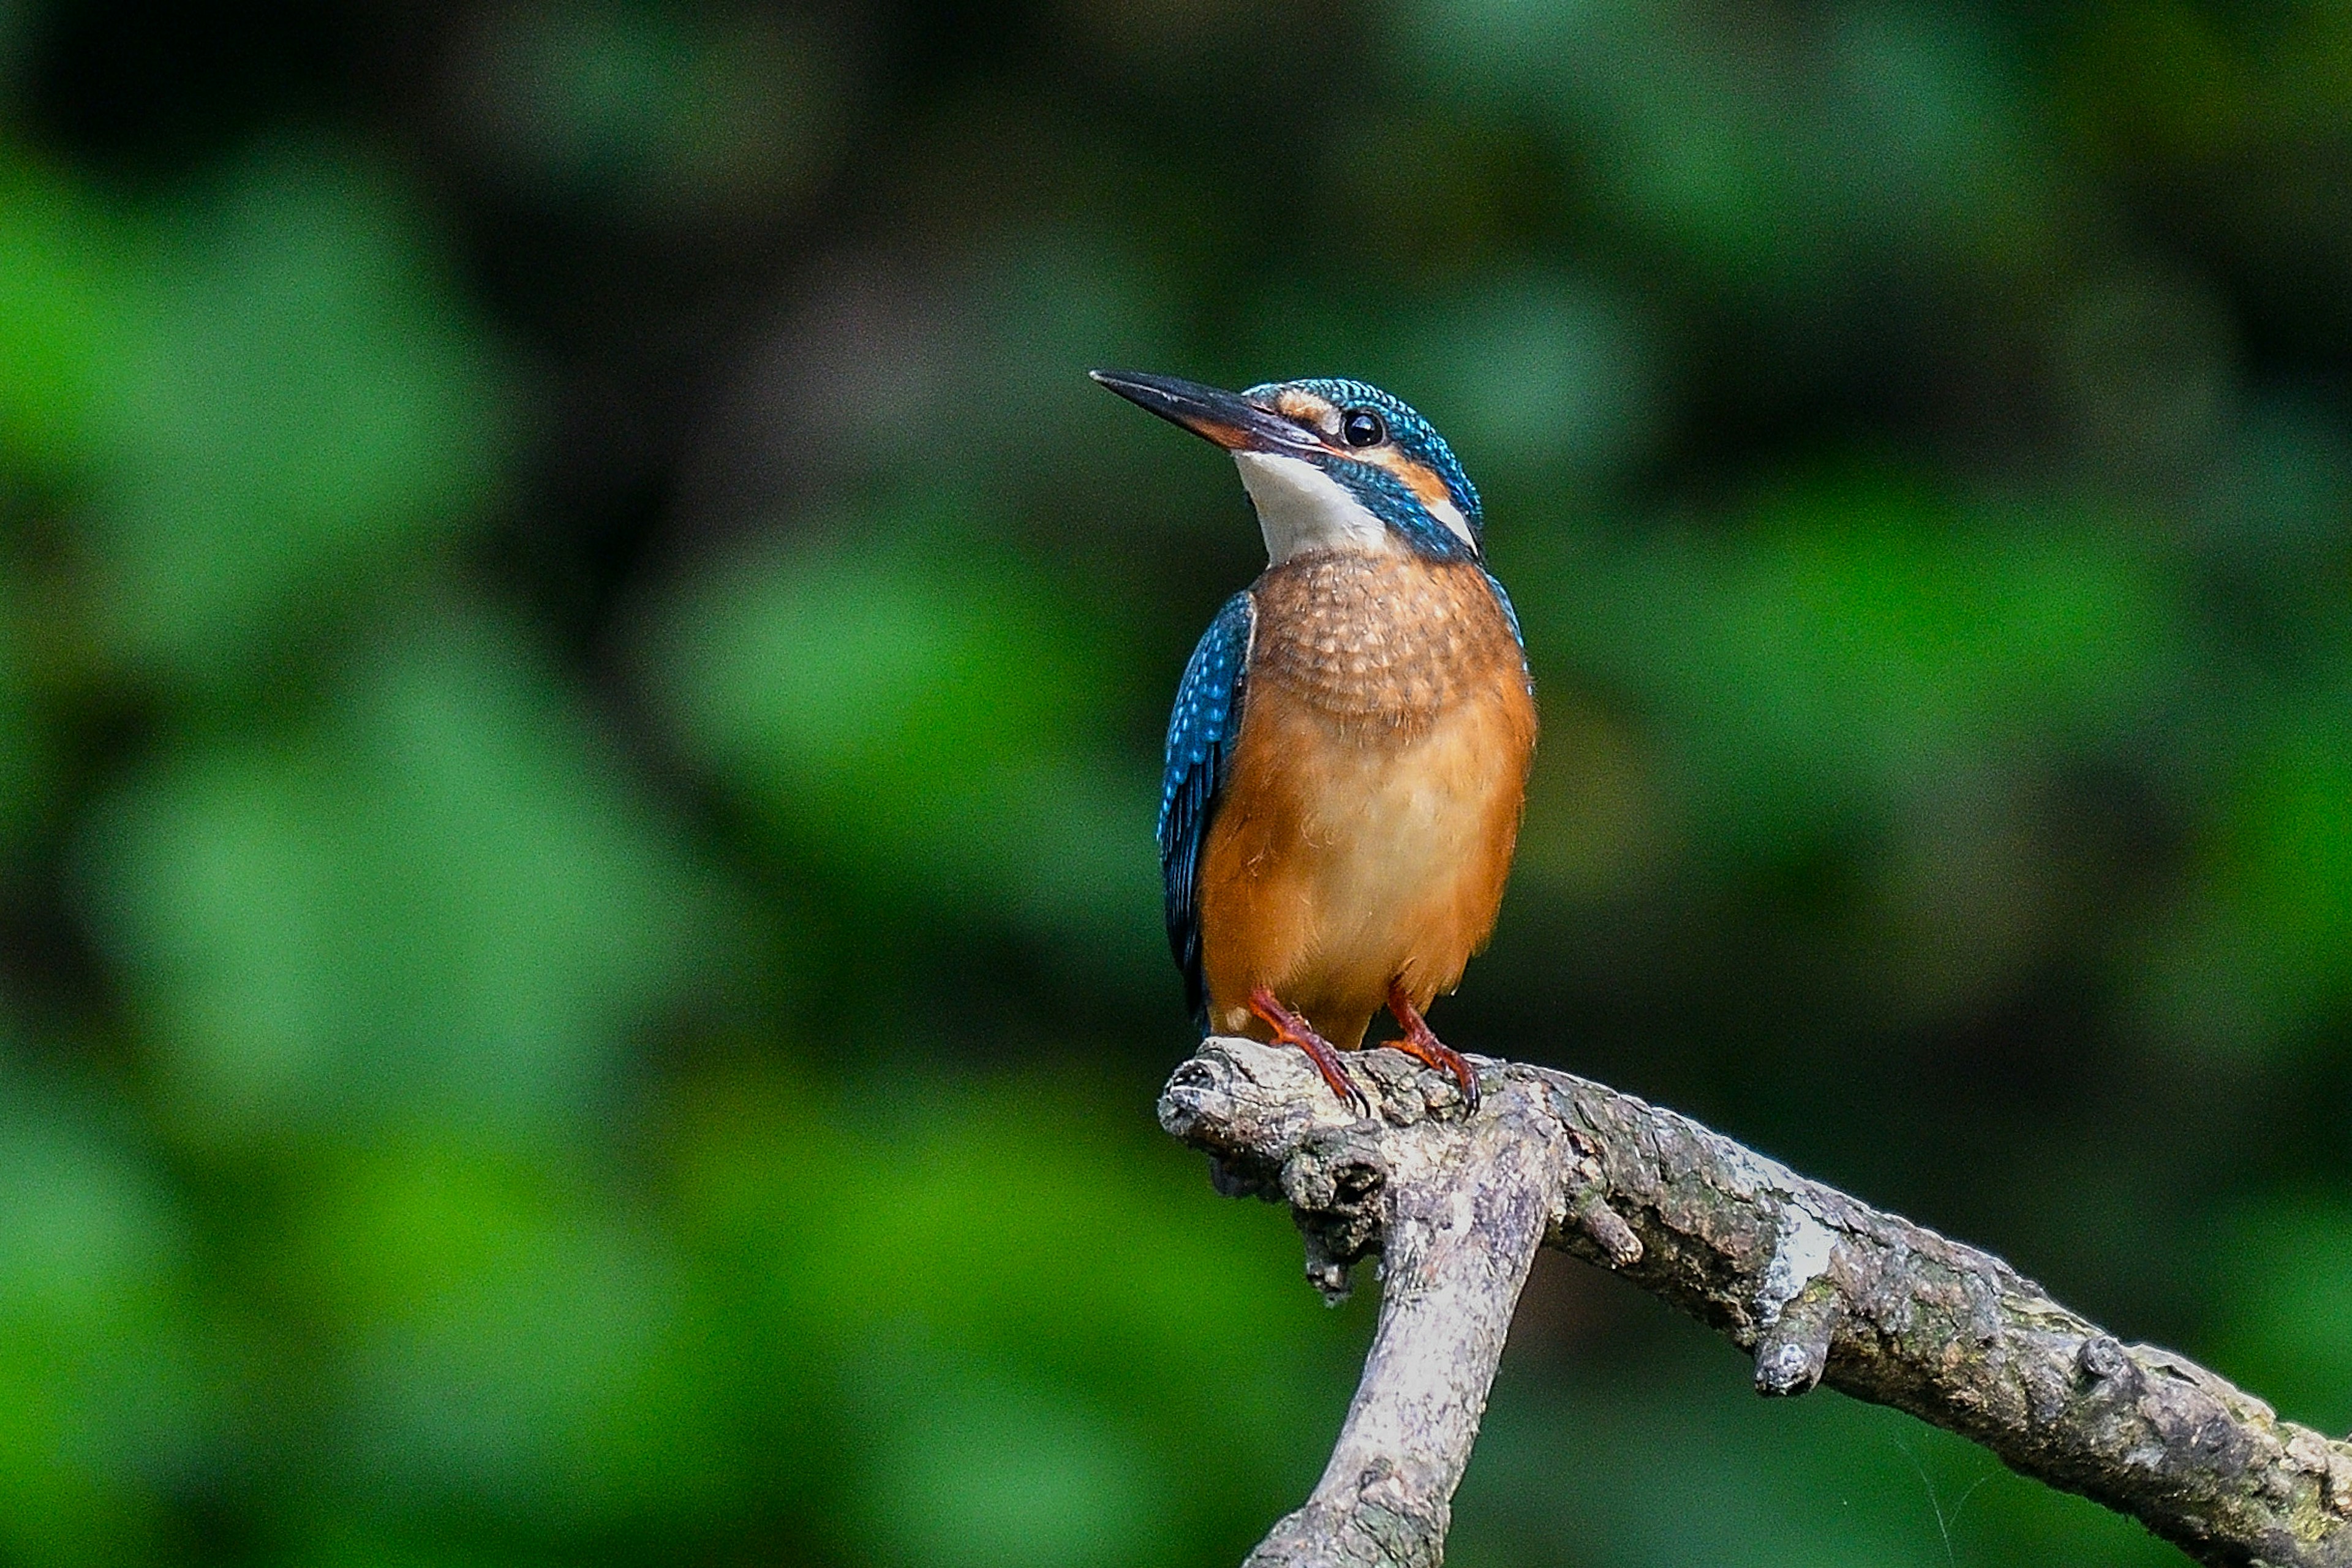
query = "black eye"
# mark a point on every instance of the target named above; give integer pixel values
(1362, 427)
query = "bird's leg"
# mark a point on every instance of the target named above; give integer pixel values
(1431, 1051)
(1291, 1029)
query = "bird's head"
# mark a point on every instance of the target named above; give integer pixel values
(1330, 465)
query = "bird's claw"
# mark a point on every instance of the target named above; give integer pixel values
(1421, 1044)
(1292, 1029)
(1326, 1062)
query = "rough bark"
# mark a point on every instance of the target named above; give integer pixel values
(1821, 1288)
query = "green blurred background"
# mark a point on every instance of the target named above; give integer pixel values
(580, 674)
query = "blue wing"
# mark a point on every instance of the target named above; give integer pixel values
(1511, 614)
(1200, 733)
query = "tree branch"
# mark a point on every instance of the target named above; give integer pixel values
(1820, 1287)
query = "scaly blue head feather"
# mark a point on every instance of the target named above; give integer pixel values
(1394, 478)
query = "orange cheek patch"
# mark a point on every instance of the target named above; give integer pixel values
(1422, 481)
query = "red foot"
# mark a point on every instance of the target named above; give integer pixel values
(1290, 1029)
(1418, 1042)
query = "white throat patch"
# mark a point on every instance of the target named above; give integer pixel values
(1300, 508)
(1446, 512)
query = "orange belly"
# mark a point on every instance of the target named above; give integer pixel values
(1347, 855)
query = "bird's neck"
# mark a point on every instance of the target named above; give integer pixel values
(1303, 511)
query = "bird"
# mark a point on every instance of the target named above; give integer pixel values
(1346, 760)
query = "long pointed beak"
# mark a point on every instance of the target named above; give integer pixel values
(1228, 419)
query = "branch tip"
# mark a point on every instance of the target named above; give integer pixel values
(1620, 1248)
(1792, 1354)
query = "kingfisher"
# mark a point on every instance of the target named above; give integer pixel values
(1347, 762)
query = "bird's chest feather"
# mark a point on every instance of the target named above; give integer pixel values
(1395, 713)
(1381, 646)
(1366, 829)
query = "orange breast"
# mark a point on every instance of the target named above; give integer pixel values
(1368, 824)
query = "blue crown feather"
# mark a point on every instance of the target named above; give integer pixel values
(1387, 497)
